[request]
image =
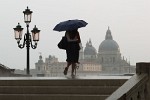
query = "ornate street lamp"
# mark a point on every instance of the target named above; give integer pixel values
(35, 34)
(27, 15)
(27, 36)
(18, 32)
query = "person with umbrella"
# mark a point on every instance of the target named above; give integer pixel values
(72, 50)
(73, 41)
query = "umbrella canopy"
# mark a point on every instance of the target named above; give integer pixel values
(70, 25)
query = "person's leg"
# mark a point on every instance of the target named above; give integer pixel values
(66, 69)
(68, 64)
(73, 69)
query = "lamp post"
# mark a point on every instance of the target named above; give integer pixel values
(18, 30)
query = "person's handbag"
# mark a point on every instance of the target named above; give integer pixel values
(63, 43)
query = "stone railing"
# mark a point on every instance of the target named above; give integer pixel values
(137, 87)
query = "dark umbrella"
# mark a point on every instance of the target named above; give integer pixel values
(70, 25)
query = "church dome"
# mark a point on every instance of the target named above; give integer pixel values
(109, 44)
(89, 49)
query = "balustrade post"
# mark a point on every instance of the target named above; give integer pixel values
(144, 67)
(142, 94)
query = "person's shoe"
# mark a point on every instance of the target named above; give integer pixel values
(65, 71)
(73, 76)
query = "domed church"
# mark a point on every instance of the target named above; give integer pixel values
(108, 56)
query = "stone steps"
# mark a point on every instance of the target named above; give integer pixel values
(51, 97)
(57, 89)
(71, 82)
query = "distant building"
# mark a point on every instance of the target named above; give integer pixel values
(107, 60)
(108, 56)
(52, 67)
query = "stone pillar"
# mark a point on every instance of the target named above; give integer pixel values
(144, 67)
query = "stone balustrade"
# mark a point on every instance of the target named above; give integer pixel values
(137, 87)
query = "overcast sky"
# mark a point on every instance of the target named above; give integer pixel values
(129, 22)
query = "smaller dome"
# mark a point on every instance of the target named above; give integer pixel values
(40, 58)
(89, 49)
